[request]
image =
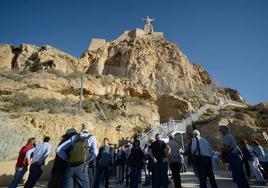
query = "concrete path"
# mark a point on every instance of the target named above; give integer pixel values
(188, 181)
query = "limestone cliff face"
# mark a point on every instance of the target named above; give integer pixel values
(6, 56)
(135, 82)
(150, 61)
(33, 58)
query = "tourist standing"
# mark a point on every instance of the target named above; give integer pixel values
(174, 161)
(263, 159)
(39, 155)
(231, 155)
(104, 162)
(252, 160)
(59, 168)
(202, 149)
(188, 153)
(183, 164)
(258, 150)
(78, 151)
(128, 151)
(22, 163)
(215, 159)
(159, 151)
(120, 161)
(135, 162)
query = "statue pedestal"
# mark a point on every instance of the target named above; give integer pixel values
(148, 28)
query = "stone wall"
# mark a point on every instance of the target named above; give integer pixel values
(96, 44)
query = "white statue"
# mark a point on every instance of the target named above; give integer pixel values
(147, 20)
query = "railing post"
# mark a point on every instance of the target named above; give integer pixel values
(81, 92)
(182, 142)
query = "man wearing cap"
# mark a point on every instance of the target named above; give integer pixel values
(78, 172)
(233, 158)
(202, 148)
(59, 168)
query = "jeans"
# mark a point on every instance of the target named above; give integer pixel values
(204, 171)
(119, 173)
(35, 173)
(175, 170)
(91, 172)
(160, 175)
(236, 165)
(18, 176)
(135, 174)
(78, 174)
(254, 166)
(147, 174)
(183, 167)
(97, 177)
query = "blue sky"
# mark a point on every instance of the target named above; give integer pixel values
(229, 38)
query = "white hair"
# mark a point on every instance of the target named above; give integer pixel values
(196, 132)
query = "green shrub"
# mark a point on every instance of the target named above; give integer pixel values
(88, 106)
(109, 111)
(73, 75)
(11, 108)
(12, 75)
(37, 104)
(56, 72)
(138, 130)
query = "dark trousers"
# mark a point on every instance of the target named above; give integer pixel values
(127, 175)
(175, 170)
(91, 172)
(97, 177)
(236, 165)
(204, 171)
(247, 167)
(56, 180)
(160, 175)
(135, 174)
(34, 175)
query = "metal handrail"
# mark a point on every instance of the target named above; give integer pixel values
(168, 127)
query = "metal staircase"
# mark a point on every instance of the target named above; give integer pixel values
(176, 126)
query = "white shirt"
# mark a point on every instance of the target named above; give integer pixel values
(92, 146)
(205, 148)
(40, 153)
(229, 141)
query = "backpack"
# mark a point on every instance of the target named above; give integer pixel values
(79, 151)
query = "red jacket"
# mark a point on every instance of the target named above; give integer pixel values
(22, 161)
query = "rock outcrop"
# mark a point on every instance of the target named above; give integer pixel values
(133, 82)
(150, 61)
(33, 58)
(6, 56)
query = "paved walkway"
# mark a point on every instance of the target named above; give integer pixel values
(188, 181)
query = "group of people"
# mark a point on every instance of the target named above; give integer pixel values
(80, 163)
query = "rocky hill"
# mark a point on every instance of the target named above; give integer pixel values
(131, 84)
